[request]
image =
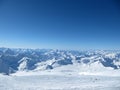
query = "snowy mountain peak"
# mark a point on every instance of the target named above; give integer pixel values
(23, 64)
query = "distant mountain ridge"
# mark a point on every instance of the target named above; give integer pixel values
(13, 60)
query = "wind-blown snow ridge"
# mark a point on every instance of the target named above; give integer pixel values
(62, 61)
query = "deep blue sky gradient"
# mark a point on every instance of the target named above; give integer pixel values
(61, 24)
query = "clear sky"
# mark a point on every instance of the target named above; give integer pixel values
(61, 24)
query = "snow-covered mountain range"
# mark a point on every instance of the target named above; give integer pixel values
(18, 60)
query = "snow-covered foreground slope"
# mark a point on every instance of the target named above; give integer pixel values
(59, 82)
(74, 70)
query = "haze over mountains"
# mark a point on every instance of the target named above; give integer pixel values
(36, 60)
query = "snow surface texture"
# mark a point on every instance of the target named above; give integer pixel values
(59, 82)
(47, 69)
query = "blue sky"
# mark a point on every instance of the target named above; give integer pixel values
(61, 24)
